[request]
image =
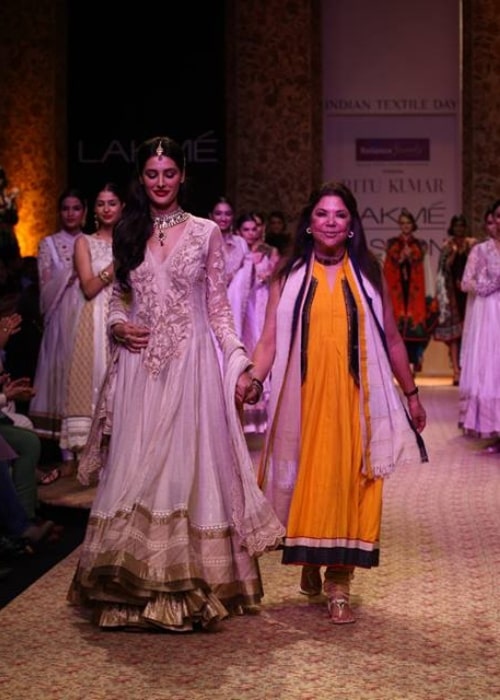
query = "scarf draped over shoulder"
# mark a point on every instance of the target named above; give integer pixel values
(388, 437)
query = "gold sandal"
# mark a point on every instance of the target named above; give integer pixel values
(336, 588)
(340, 611)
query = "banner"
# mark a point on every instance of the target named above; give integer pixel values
(392, 112)
(391, 86)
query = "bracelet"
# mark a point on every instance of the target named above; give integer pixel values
(411, 393)
(117, 338)
(105, 277)
(258, 385)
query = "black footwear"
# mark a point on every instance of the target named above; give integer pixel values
(11, 548)
(4, 572)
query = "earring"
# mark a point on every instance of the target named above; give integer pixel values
(308, 231)
(350, 234)
(96, 223)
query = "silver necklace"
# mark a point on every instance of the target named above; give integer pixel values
(162, 223)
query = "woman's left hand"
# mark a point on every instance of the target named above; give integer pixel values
(243, 386)
(417, 413)
(135, 338)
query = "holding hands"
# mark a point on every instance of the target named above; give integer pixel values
(248, 389)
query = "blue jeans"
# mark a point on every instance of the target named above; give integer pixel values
(13, 518)
(23, 469)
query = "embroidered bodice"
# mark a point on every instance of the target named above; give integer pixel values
(482, 271)
(180, 296)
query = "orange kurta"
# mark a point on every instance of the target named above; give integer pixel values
(335, 511)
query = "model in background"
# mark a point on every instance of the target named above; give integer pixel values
(479, 388)
(60, 304)
(93, 258)
(235, 248)
(277, 234)
(264, 260)
(450, 297)
(405, 273)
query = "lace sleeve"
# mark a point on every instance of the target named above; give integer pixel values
(44, 264)
(482, 271)
(219, 310)
(118, 307)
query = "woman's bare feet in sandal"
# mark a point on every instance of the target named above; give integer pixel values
(44, 478)
(336, 588)
(340, 611)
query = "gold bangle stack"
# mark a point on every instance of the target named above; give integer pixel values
(105, 277)
(259, 389)
(259, 386)
(117, 338)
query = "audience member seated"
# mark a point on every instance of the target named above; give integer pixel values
(18, 532)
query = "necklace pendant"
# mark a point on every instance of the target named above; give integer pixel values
(166, 221)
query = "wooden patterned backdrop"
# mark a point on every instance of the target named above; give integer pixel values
(33, 111)
(273, 106)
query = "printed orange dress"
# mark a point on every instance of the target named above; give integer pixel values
(335, 511)
(416, 313)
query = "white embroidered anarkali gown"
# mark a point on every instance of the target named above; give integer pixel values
(178, 515)
(479, 389)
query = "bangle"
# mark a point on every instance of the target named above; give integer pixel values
(411, 393)
(258, 385)
(105, 277)
(117, 338)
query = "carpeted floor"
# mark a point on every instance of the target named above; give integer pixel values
(428, 618)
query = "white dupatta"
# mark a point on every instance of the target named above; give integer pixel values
(389, 440)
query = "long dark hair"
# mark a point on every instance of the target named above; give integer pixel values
(71, 192)
(107, 186)
(357, 247)
(457, 219)
(134, 229)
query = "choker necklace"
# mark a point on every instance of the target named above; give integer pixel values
(330, 260)
(165, 221)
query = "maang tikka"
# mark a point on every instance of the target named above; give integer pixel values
(159, 149)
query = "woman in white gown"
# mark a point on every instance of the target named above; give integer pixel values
(178, 518)
(235, 248)
(479, 388)
(93, 258)
(264, 260)
(60, 301)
